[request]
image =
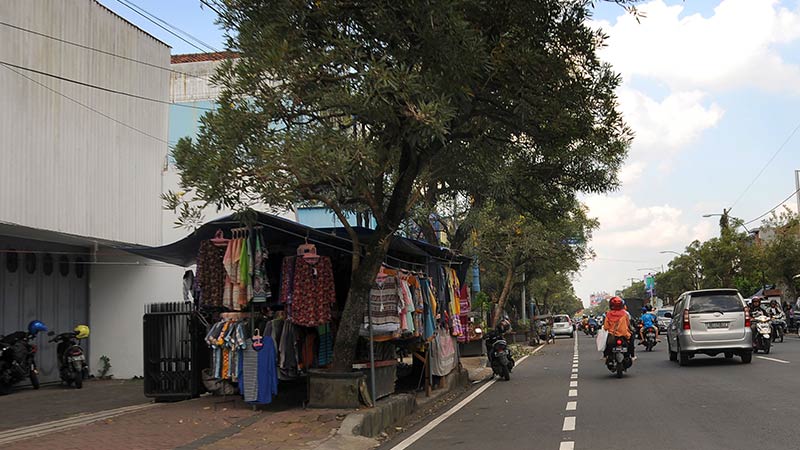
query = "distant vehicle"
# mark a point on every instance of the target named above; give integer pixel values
(562, 326)
(710, 321)
(664, 316)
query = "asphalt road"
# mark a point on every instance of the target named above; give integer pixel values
(711, 404)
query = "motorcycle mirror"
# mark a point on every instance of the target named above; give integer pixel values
(51, 333)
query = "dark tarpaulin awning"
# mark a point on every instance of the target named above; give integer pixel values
(277, 229)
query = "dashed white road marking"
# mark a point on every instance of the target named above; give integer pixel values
(573, 384)
(569, 424)
(574, 366)
(574, 376)
(773, 359)
(572, 406)
(567, 445)
(574, 370)
(573, 392)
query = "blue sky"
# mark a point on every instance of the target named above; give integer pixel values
(711, 88)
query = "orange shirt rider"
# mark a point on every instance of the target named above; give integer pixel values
(617, 321)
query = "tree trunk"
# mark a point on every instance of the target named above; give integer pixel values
(501, 302)
(361, 281)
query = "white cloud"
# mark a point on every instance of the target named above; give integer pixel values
(734, 47)
(668, 125)
(631, 172)
(624, 224)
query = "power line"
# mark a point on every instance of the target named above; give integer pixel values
(89, 107)
(64, 41)
(105, 89)
(155, 20)
(776, 207)
(765, 166)
(211, 7)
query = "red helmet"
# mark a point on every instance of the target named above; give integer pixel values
(615, 303)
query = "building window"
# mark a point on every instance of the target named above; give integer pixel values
(63, 266)
(12, 260)
(80, 266)
(30, 262)
(47, 264)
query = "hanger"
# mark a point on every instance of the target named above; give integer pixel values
(219, 239)
(308, 251)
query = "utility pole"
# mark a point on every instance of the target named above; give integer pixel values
(797, 185)
(524, 303)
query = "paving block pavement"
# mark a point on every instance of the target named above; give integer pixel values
(207, 423)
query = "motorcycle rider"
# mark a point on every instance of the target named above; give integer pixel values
(648, 321)
(756, 309)
(593, 322)
(618, 324)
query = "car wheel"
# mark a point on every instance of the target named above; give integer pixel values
(673, 356)
(683, 357)
(572, 335)
(747, 357)
(728, 355)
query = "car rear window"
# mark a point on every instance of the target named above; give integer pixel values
(715, 303)
(561, 319)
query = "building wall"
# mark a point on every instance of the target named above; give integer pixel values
(119, 290)
(66, 168)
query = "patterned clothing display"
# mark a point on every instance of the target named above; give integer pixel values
(466, 326)
(308, 287)
(385, 303)
(226, 338)
(211, 274)
(261, 288)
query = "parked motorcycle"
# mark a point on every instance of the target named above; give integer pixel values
(72, 367)
(763, 334)
(619, 359)
(18, 357)
(499, 356)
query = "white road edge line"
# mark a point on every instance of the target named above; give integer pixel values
(774, 359)
(574, 376)
(435, 422)
(569, 424)
(573, 392)
(573, 384)
(567, 445)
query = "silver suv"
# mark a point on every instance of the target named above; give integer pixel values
(711, 322)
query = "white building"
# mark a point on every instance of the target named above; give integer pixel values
(81, 172)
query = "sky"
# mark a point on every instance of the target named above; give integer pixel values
(711, 90)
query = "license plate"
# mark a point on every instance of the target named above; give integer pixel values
(717, 325)
(621, 349)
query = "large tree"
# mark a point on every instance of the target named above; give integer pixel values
(364, 105)
(511, 243)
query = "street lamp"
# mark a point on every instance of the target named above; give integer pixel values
(738, 220)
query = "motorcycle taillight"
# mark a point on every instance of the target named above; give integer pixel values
(619, 341)
(33, 348)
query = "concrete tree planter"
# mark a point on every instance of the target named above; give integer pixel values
(327, 389)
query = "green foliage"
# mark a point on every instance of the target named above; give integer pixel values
(783, 252)
(366, 106)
